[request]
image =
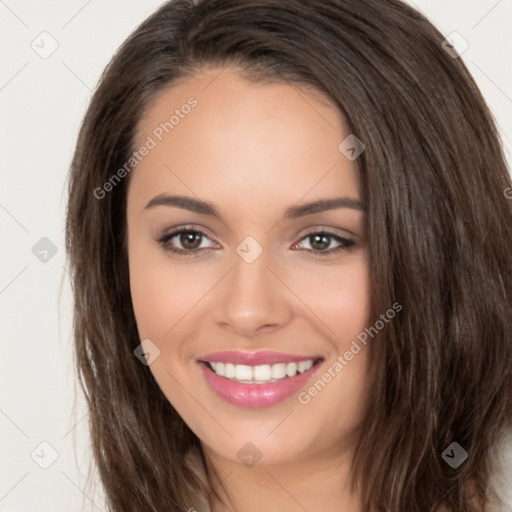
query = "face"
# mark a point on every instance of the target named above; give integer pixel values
(248, 267)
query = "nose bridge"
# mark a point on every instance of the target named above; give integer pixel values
(251, 297)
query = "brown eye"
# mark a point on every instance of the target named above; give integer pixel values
(186, 241)
(321, 242)
(190, 239)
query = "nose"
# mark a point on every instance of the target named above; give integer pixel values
(252, 299)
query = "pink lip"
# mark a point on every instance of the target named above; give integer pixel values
(254, 358)
(255, 395)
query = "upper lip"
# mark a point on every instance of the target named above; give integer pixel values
(254, 358)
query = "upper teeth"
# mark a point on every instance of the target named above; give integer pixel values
(262, 373)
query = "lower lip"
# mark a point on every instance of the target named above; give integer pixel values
(256, 395)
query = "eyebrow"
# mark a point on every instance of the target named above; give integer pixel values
(206, 208)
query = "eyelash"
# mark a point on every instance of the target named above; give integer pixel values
(164, 241)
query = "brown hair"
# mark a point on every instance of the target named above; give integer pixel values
(439, 227)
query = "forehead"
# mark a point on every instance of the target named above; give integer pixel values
(218, 133)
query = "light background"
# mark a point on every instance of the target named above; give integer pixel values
(42, 102)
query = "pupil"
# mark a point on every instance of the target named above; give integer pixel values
(320, 242)
(190, 240)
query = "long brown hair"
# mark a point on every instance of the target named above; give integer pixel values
(439, 228)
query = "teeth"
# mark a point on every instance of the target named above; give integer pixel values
(229, 371)
(243, 372)
(291, 369)
(262, 373)
(278, 371)
(305, 365)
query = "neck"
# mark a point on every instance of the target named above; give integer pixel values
(309, 483)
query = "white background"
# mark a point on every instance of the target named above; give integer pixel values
(42, 102)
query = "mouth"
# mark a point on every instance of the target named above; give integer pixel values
(259, 379)
(261, 374)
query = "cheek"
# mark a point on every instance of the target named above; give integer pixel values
(152, 290)
(338, 297)
(163, 292)
(163, 297)
(341, 302)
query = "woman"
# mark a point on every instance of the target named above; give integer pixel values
(289, 239)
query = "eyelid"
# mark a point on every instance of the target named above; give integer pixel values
(319, 228)
(185, 229)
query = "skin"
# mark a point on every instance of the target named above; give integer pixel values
(253, 150)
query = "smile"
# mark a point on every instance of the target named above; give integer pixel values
(260, 374)
(257, 379)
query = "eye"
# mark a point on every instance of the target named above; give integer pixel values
(189, 241)
(185, 240)
(321, 243)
